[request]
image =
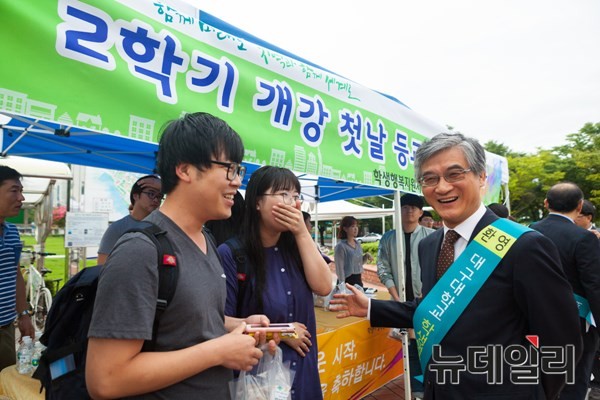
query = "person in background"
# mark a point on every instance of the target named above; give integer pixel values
(426, 220)
(286, 268)
(526, 293)
(197, 346)
(13, 303)
(586, 217)
(322, 234)
(411, 208)
(309, 226)
(348, 253)
(499, 209)
(579, 251)
(223, 229)
(145, 196)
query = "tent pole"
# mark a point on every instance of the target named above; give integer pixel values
(401, 289)
(17, 140)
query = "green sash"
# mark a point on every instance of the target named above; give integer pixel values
(583, 307)
(449, 297)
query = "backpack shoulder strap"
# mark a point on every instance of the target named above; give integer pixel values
(242, 267)
(168, 273)
(211, 242)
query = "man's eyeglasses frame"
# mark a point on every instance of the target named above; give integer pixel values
(451, 176)
(233, 169)
(153, 196)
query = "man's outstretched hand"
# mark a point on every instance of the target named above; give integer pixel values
(355, 304)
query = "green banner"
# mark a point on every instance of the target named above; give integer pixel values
(128, 67)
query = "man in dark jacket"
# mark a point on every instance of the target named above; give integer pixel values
(526, 302)
(579, 251)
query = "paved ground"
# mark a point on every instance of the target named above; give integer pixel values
(394, 390)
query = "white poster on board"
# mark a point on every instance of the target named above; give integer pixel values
(107, 191)
(84, 229)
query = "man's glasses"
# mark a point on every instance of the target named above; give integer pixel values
(286, 197)
(154, 196)
(233, 169)
(451, 176)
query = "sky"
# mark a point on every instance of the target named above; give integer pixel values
(524, 73)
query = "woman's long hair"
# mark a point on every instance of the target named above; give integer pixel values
(261, 181)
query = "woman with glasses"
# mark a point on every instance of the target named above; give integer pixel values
(348, 253)
(284, 269)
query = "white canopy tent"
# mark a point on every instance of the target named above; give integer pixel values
(335, 210)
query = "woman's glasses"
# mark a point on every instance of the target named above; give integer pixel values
(286, 197)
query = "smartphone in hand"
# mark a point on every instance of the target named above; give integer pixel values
(284, 329)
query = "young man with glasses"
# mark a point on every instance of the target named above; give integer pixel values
(513, 292)
(145, 196)
(197, 346)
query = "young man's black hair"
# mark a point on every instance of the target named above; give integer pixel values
(216, 138)
(7, 173)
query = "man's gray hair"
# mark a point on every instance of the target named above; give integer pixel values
(472, 149)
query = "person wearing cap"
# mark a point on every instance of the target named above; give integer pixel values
(426, 220)
(145, 197)
(411, 207)
(499, 209)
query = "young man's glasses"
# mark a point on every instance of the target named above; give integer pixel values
(451, 176)
(233, 169)
(154, 196)
(286, 197)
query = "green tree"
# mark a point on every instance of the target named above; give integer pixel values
(530, 178)
(580, 160)
(497, 148)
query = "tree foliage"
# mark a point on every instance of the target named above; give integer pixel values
(497, 148)
(530, 178)
(531, 175)
(580, 160)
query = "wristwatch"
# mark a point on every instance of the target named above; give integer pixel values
(23, 313)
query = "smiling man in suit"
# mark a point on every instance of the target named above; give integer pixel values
(579, 251)
(514, 290)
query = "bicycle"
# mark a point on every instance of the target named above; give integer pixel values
(38, 295)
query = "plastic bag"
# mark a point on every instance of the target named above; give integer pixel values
(271, 379)
(323, 301)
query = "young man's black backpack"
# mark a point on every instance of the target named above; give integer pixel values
(62, 365)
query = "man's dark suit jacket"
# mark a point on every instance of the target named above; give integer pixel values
(579, 252)
(527, 294)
